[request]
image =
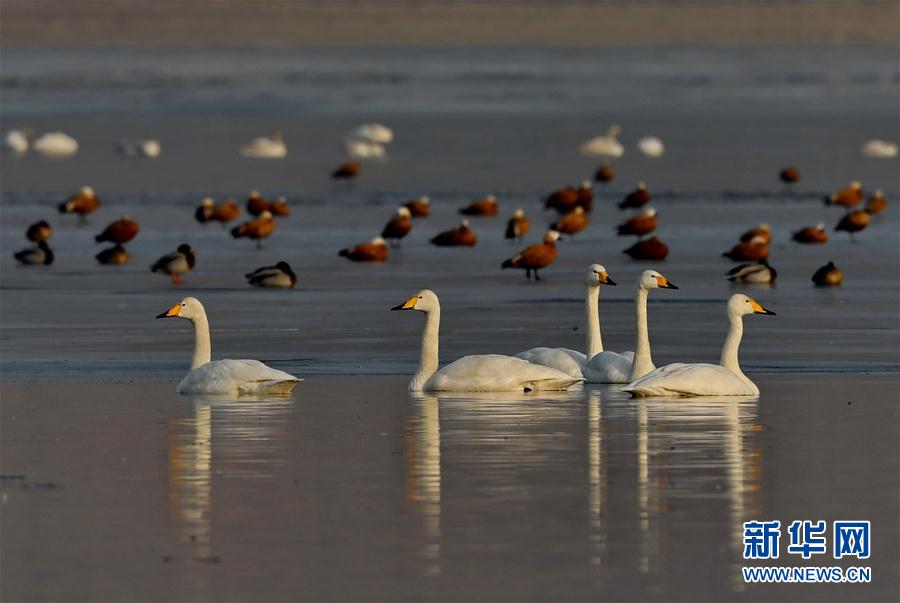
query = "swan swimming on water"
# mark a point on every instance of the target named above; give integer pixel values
(265, 148)
(229, 377)
(604, 146)
(482, 373)
(610, 367)
(651, 146)
(55, 144)
(723, 379)
(571, 361)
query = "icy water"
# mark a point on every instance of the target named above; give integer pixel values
(116, 488)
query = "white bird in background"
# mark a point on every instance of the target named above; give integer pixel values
(16, 141)
(265, 148)
(376, 133)
(224, 377)
(651, 146)
(364, 149)
(879, 149)
(140, 147)
(605, 146)
(55, 144)
(723, 379)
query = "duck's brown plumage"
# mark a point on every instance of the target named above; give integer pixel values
(458, 236)
(828, 275)
(604, 173)
(762, 231)
(39, 231)
(854, 221)
(648, 249)
(226, 211)
(346, 171)
(535, 257)
(748, 251)
(789, 175)
(373, 251)
(256, 229)
(256, 204)
(279, 207)
(81, 203)
(120, 231)
(517, 226)
(811, 234)
(563, 200)
(585, 196)
(481, 207)
(573, 222)
(639, 225)
(115, 255)
(848, 197)
(398, 226)
(420, 207)
(636, 198)
(877, 203)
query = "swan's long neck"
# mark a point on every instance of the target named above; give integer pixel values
(202, 346)
(428, 359)
(642, 364)
(729, 357)
(592, 317)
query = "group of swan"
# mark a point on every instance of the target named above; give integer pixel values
(537, 369)
(368, 141)
(609, 146)
(51, 144)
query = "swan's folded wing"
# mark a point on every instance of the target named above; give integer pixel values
(609, 367)
(562, 359)
(689, 380)
(499, 373)
(237, 376)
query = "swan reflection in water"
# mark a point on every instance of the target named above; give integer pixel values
(701, 441)
(247, 434)
(422, 456)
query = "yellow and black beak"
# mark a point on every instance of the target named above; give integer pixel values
(409, 304)
(171, 312)
(757, 309)
(605, 280)
(665, 283)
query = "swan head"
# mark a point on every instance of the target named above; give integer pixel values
(423, 301)
(651, 279)
(614, 130)
(189, 308)
(741, 305)
(403, 212)
(597, 275)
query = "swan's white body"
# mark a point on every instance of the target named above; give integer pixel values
(55, 144)
(223, 377)
(604, 146)
(482, 373)
(16, 141)
(564, 359)
(376, 133)
(610, 367)
(364, 149)
(140, 147)
(651, 146)
(879, 149)
(723, 379)
(265, 148)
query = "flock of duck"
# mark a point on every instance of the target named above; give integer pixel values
(536, 369)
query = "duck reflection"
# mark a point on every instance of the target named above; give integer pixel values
(693, 449)
(246, 431)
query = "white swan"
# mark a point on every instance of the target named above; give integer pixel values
(564, 359)
(879, 149)
(723, 379)
(610, 367)
(364, 149)
(377, 133)
(604, 146)
(16, 141)
(230, 377)
(651, 146)
(55, 144)
(140, 147)
(483, 373)
(265, 148)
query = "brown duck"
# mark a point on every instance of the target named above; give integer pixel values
(648, 249)
(535, 257)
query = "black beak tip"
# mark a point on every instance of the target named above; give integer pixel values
(671, 286)
(769, 313)
(163, 315)
(395, 308)
(609, 281)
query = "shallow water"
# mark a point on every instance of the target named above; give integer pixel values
(115, 488)
(352, 490)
